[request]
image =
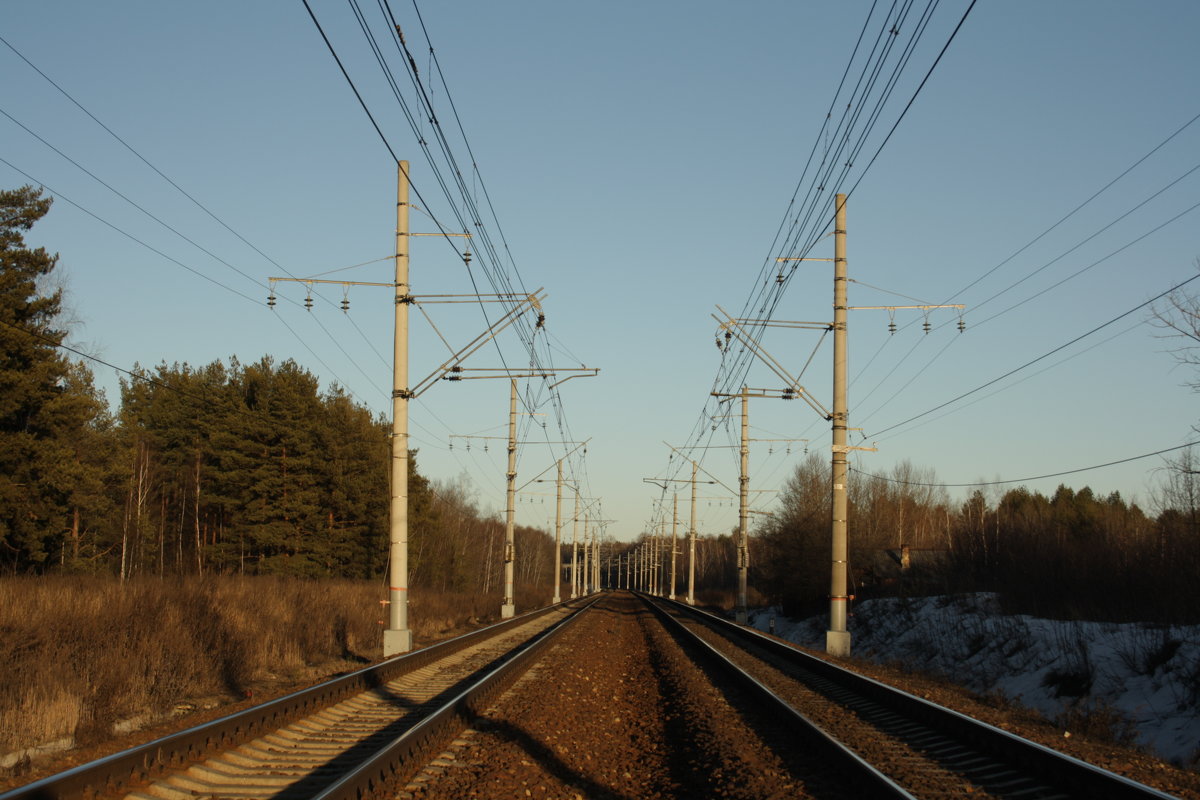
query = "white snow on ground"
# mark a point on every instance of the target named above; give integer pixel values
(1148, 674)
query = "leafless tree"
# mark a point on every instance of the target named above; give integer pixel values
(1178, 317)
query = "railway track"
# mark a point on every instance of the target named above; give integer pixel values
(356, 736)
(922, 748)
(640, 697)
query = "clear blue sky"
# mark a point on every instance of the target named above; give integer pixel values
(640, 158)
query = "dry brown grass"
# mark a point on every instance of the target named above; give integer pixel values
(79, 654)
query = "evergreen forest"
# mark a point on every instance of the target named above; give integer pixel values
(225, 468)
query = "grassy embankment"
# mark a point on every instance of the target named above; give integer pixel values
(80, 655)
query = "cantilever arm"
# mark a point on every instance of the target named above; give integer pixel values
(475, 344)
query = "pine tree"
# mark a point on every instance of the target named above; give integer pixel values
(48, 406)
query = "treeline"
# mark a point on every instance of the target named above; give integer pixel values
(1073, 554)
(228, 468)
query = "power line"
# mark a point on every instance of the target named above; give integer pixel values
(464, 209)
(1039, 358)
(140, 157)
(1076, 209)
(131, 202)
(177, 262)
(186, 194)
(61, 196)
(1073, 275)
(807, 220)
(1028, 377)
(1025, 480)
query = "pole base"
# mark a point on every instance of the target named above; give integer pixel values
(837, 643)
(741, 616)
(556, 600)
(507, 611)
(396, 642)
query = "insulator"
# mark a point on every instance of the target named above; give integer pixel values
(728, 335)
(926, 326)
(467, 257)
(308, 302)
(456, 368)
(962, 326)
(541, 323)
(779, 278)
(271, 300)
(345, 304)
(892, 327)
(719, 345)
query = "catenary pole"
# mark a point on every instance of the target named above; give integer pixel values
(397, 638)
(837, 638)
(596, 559)
(691, 598)
(558, 536)
(674, 530)
(575, 549)
(743, 550)
(509, 608)
(586, 585)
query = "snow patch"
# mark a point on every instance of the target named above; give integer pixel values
(1146, 678)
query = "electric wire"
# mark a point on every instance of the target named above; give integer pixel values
(1031, 376)
(1095, 263)
(130, 236)
(175, 231)
(1030, 478)
(1042, 357)
(1073, 275)
(130, 201)
(362, 102)
(199, 273)
(1076, 209)
(733, 371)
(1068, 215)
(138, 155)
(178, 188)
(489, 257)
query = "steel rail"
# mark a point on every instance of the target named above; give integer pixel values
(146, 762)
(1055, 768)
(870, 782)
(380, 775)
